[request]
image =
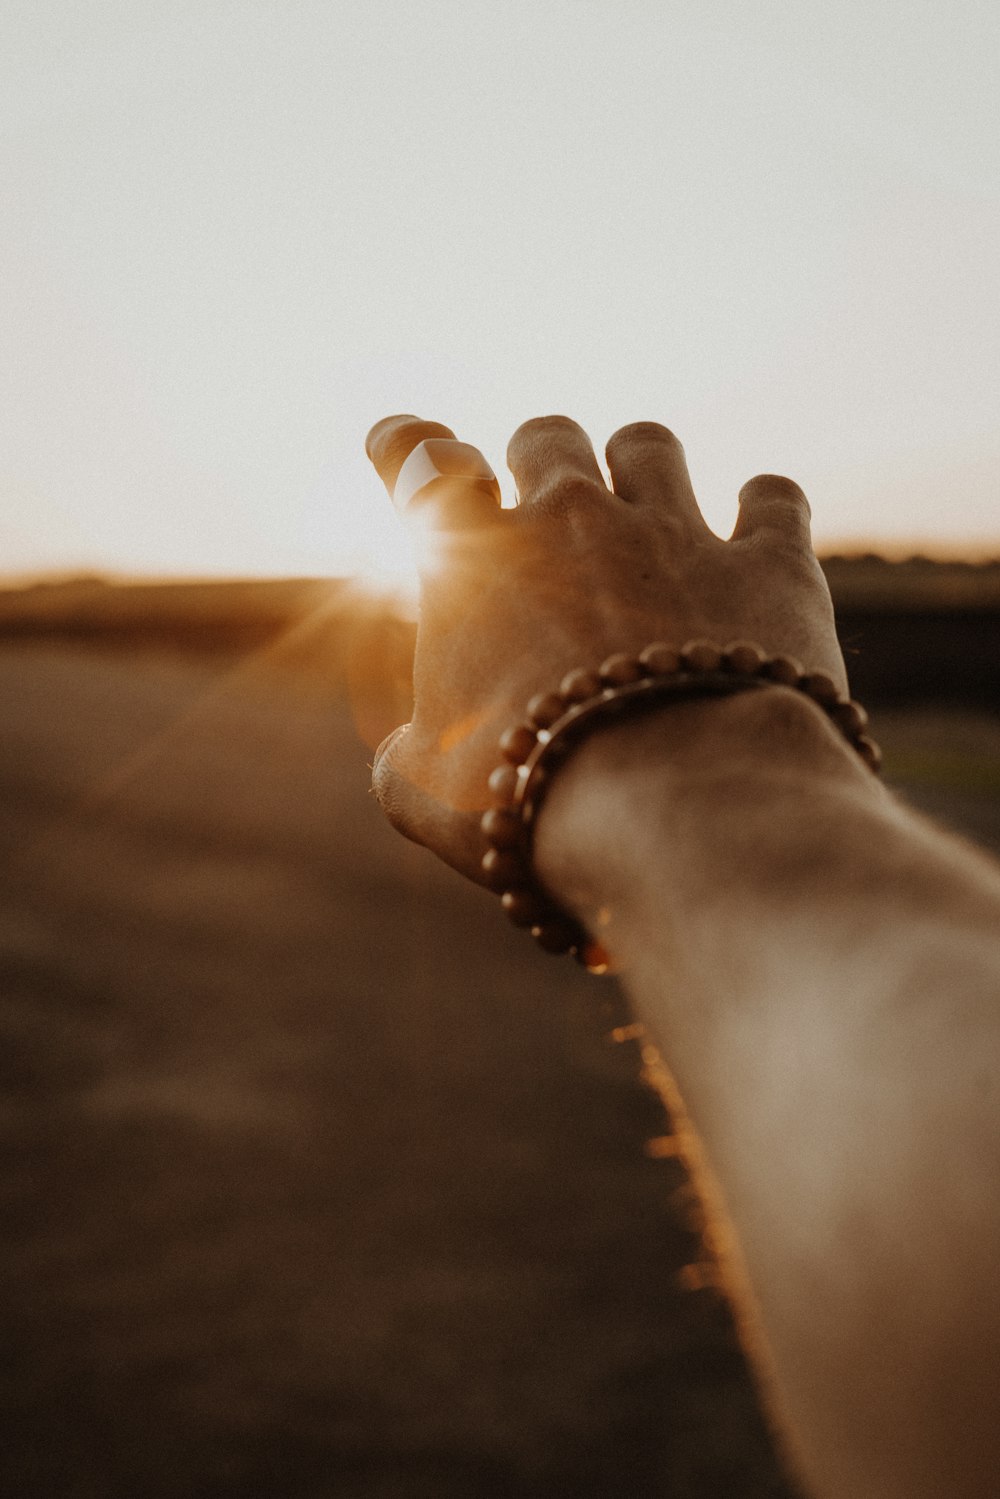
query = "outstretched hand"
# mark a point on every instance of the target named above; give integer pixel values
(515, 599)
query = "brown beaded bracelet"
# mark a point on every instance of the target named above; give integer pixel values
(556, 721)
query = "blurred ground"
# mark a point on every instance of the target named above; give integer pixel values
(318, 1179)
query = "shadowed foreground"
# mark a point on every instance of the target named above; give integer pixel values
(318, 1179)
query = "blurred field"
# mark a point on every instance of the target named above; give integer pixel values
(319, 1180)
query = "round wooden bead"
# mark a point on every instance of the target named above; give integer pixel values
(783, 669)
(502, 870)
(501, 827)
(660, 660)
(618, 669)
(517, 742)
(577, 686)
(743, 657)
(594, 956)
(523, 907)
(582, 695)
(820, 687)
(869, 751)
(503, 785)
(545, 708)
(701, 655)
(555, 936)
(850, 717)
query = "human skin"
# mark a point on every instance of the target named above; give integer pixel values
(818, 965)
(575, 573)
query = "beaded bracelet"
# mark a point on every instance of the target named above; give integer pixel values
(556, 721)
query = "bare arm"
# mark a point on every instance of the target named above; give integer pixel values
(821, 970)
(818, 965)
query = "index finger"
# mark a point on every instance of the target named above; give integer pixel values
(427, 470)
(391, 441)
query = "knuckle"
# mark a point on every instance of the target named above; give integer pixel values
(782, 547)
(566, 493)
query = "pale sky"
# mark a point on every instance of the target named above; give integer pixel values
(234, 233)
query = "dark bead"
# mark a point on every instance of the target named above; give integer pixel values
(516, 743)
(869, 751)
(502, 828)
(701, 655)
(851, 717)
(619, 669)
(783, 669)
(594, 957)
(743, 657)
(503, 785)
(577, 686)
(660, 660)
(523, 907)
(502, 870)
(820, 687)
(545, 708)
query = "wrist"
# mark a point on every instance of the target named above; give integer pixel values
(623, 688)
(645, 799)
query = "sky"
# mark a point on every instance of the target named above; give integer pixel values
(234, 235)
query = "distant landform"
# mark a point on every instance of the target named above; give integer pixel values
(913, 630)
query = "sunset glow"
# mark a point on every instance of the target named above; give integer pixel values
(237, 236)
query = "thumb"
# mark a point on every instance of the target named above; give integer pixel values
(388, 782)
(455, 836)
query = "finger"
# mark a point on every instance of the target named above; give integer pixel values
(421, 817)
(391, 441)
(647, 466)
(774, 509)
(426, 469)
(551, 457)
(448, 480)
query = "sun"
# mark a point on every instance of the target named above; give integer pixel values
(393, 560)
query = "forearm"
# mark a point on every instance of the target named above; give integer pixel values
(820, 970)
(818, 966)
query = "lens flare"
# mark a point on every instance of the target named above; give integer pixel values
(410, 548)
(429, 540)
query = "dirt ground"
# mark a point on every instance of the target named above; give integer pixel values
(318, 1179)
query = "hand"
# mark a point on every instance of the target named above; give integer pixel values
(516, 598)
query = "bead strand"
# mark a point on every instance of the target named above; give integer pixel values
(555, 721)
